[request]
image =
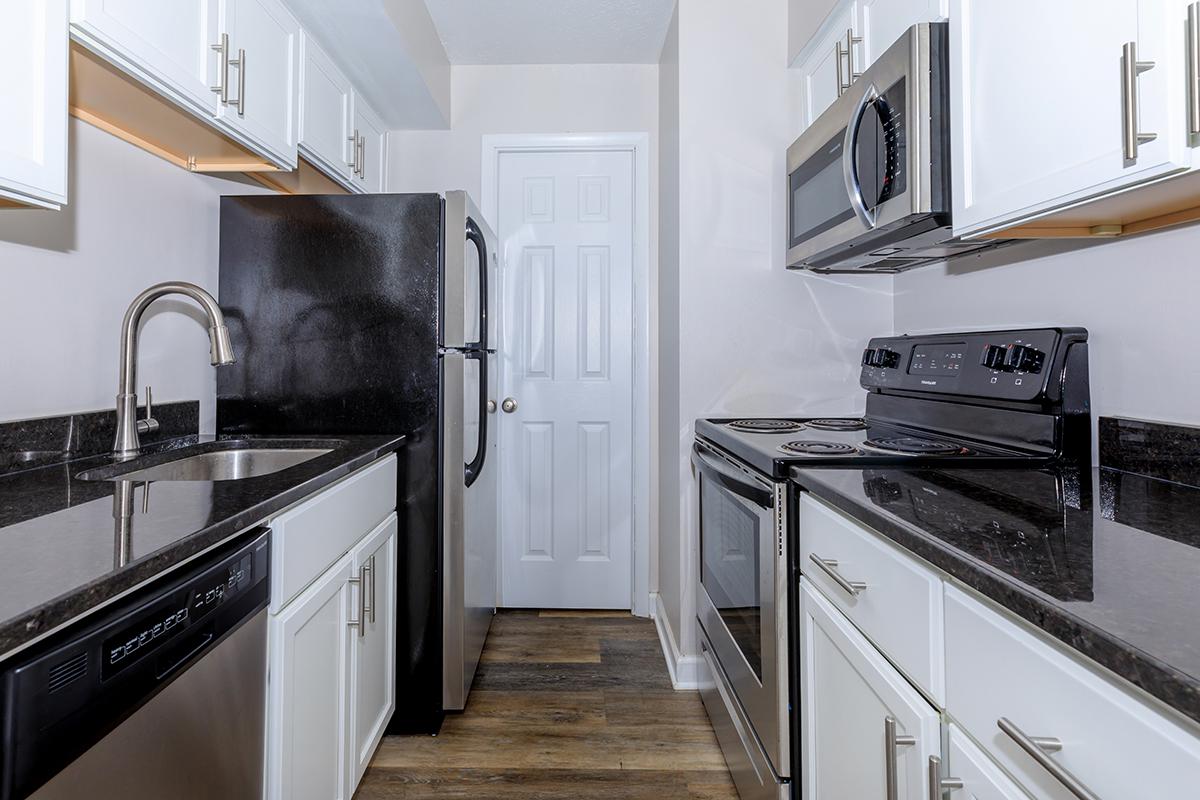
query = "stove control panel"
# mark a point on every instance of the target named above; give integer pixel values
(1014, 365)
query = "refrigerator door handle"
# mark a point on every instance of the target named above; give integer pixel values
(475, 237)
(475, 467)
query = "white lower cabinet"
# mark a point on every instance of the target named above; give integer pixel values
(33, 133)
(862, 724)
(332, 646)
(309, 691)
(976, 776)
(373, 651)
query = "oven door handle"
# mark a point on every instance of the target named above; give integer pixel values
(729, 478)
(850, 159)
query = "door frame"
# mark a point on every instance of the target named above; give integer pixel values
(637, 144)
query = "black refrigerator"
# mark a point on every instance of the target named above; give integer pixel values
(373, 314)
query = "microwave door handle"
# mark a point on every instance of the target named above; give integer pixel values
(850, 161)
(475, 236)
(730, 479)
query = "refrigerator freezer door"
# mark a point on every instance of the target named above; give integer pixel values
(463, 316)
(470, 515)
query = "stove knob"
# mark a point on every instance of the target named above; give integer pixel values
(888, 359)
(1023, 358)
(993, 356)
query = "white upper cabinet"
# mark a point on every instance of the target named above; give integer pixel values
(855, 33)
(1048, 108)
(168, 46)
(371, 162)
(262, 75)
(33, 134)
(326, 101)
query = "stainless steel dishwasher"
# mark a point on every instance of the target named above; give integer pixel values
(163, 695)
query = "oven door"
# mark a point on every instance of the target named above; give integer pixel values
(742, 605)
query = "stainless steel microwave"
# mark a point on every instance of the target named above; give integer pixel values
(869, 180)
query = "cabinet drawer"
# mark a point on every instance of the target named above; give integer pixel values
(981, 778)
(900, 608)
(308, 538)
(1113, 743)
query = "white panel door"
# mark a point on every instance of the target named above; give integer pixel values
(374, 646)
(882, 22)
(1037, 103)
(309, 691)
(325, 108)
(263, 93)
(33, 132)
(371, 166)
(826, 65)
(848, 692)
(166, 44)
(566, 233)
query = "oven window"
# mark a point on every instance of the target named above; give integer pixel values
(818, 198)
(729, 566)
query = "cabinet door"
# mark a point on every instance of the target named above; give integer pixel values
(374, 646)
(263, 95)
(372, 156)
(33, 135)
(1037, 105)
(825, 64)
(166, 45)
(325, 106)
(882, 22)
(848, 693)
(309, 690)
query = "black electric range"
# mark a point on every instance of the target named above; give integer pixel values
(991, 399)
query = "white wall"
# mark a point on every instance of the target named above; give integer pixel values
(753, 337)
(68, 276)
(540, 98)
(1137, 298)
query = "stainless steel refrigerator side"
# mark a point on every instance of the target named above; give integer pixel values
(454, 267)
(453, 525)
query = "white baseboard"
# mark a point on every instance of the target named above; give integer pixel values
(684, 670)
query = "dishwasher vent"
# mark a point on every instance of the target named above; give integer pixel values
(67, 672)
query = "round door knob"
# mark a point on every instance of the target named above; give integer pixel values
(509, 405)
(491, 406)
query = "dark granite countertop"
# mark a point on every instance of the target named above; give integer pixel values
(1106, 561)
(67, 545)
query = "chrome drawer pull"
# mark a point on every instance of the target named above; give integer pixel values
(829, 567)
(1038, 748)
(891, 742)
(937, 784)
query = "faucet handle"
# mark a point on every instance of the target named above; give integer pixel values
(149, 424)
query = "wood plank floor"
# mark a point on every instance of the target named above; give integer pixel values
(565, 705)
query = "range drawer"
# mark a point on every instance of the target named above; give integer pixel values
(890, 596)
(1112, 743)
(306, 539)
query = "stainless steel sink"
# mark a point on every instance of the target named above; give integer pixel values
(232, 462)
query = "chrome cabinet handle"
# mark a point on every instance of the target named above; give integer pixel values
(851, 40)
(1039, 748)
(362, 157)
(841, 77)
(222, 88)
(353, 152)
(1130, 69)
(937, 784)
(1193, 64)
(366, 611)
(891, 742)
(373, 598)
(829, 567)
(241, 65)
(359, 623)
(491, 406)
(509, 405)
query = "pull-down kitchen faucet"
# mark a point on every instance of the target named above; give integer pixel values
(126, 444)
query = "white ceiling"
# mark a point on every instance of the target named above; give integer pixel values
(552, 31)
